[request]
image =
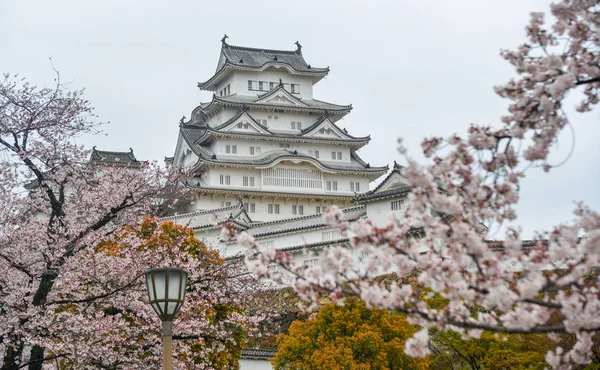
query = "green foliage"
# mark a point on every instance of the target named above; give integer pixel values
(490, 351)
(350, 337)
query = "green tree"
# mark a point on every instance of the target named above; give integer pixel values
(350, 337)
(490, 351)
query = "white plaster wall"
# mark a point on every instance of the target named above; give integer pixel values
(379, 211)
(243, 151)
(239, 81)
(255, 364)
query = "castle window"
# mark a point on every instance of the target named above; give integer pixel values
(248, 180)
(311, 262)
(250, 85)
(397, 205)
(354, 186)
(284, 145)
(225, 180)
(260, 85)
(273, 209)
(336, 156)
(297, 210)
(246, 126)
(313, 153)
(250, 207)
(295, 89)
(225, 204)
(296, 125)
(318, 209)
(332, 185)
(240, 125)
(271, 85)
(331, 235)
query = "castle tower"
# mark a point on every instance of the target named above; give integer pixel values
(264, 139)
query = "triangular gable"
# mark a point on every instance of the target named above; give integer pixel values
(243, 123)
(394, 181)
(280, 96)
(325, 128)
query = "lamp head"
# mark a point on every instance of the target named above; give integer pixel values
(166, 290)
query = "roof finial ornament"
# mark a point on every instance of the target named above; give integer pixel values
(299, 48)
(395, 164)
(224, 40)
(181, 120)
(130, 150)
(94, 148)
(326, 114)
(280, 83)
(244, 108)
(275, 58)
(214, 156)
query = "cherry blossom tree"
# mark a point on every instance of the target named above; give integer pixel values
(60, 300)
(471, 181)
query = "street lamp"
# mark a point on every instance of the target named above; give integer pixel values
(166, 291)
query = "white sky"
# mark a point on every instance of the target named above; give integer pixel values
(410, 68)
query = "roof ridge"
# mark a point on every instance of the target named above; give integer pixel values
(246, 48)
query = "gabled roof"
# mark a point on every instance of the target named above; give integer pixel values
(325, 122)
(289, 225)
(123, 158)
(258, 354)
(280, 95)
(244, 58)
(261, 132)
(242, 115)
(393, 185)
(308, 105)
(213, 218)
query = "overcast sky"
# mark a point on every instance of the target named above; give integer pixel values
(410, 68)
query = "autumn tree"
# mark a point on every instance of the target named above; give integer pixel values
(104, 288)
(349, 337)
(473, 181)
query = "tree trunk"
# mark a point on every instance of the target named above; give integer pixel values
(36, 359)
(10, 359)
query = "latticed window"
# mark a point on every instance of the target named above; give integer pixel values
(331, 235)
(397, 205)
(293, 178)
(225, 180)
(312, 262)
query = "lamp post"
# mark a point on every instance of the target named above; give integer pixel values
(166, 291)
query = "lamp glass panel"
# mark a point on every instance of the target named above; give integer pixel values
(156, 308)
(150, 287)
(159, 281)
(183, 285)
(174, 288)
(171, 308)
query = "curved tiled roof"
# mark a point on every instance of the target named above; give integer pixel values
(310, 105)
(103, 156)
(245, 58)
(193, 134)
(264, 229)
(276, 136)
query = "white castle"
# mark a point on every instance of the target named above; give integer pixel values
(270, 158)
